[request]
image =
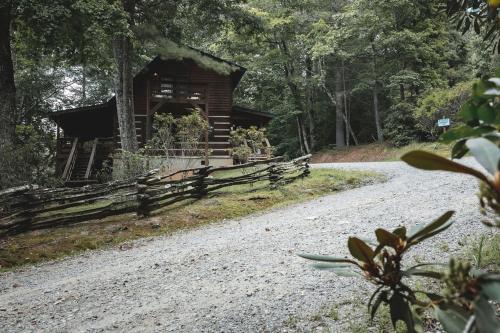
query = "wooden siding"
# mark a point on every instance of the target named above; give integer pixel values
(218, 103)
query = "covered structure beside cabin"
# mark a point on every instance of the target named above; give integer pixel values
(168, 84)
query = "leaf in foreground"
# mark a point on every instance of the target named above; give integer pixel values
(485, 152)
(451, 320)
(428, 161)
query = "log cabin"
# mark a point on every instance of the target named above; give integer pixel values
(87, 136)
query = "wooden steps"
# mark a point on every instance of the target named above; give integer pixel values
(79, 165)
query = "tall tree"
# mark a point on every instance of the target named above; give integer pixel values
(123, 52)
(339, 109)
(7, 84)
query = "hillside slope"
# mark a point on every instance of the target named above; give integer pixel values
(375, 153)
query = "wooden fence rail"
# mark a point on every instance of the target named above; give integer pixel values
(28, 207)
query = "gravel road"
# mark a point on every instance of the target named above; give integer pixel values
(240, 275)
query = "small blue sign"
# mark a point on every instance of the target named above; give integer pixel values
(444, 122)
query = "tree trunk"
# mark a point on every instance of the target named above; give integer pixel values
(122, 51)
(339, 109)
(312, 128)
(347, 117)
(310, 102)
(304, 134)
(299, 107)
(7, 84)
(84, 84)
(83, 60)
(402, 92)
(299, 132)
(380, 134)
(300, 121)
(333, 102)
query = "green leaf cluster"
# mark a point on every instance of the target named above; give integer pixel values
(463, 304)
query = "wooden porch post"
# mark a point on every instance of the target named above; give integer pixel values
(206, 132)
(148, 110)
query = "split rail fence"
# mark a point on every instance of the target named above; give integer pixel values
(30, 207)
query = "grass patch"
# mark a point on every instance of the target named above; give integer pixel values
(80, 208)
(352, 317)
(394, 154)
(231, 202)
(483, 251)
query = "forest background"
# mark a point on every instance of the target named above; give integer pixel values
(335, 73)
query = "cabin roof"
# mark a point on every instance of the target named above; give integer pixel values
(243, 109)
(217, 58)
(95, 107)
(237, 73)
(188, 54)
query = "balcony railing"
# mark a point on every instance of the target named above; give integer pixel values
(180, 92)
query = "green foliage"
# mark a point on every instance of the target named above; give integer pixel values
(437, 104)
(483, 251)
(299, 48)
(169, 50)
(190, 131)
(186, 131)
(177, 137)
(190, 128)
(463, 303)
(241, 153)
(105, 173)
(383, 266)
(246, 141)
(479, 15)
(479, 136)
(399, 126)
(164, 137)
(480, 114)
(131, 165)
(29, 160)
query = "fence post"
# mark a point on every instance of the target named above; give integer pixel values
(274, 175)
(201, 185)
(307, 170)
(142, 197)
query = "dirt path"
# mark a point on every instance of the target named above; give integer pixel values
(237, 276)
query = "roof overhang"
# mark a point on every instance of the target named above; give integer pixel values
(59, 113)
(245, 110)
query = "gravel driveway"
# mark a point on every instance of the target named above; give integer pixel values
(237, 276)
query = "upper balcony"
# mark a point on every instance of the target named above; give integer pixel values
(180, 92)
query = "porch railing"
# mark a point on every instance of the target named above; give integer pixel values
(176, 91)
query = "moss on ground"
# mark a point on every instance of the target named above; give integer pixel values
(227, 203)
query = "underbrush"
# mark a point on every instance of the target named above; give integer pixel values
(227, 203)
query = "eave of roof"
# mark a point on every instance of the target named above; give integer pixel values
(243, 109)
(238, 68)
(81, 109)
(241, 68)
